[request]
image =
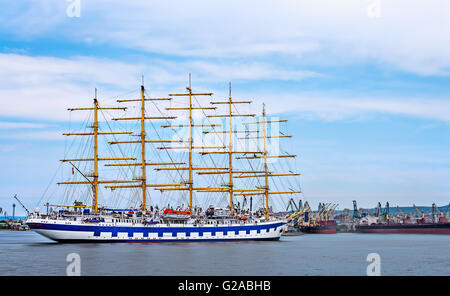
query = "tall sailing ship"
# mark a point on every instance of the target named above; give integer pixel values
(229, 171)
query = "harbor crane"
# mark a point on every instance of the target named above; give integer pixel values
(306, 209)
(321, 210)
(306, 205)
(356, 213)
(325, 211)
(442, 217)
(386, 211)
(378, 210)
(435, 210)
(405, 216)
(330, 211)
(23, 206)
(294, 208)
(421, 214)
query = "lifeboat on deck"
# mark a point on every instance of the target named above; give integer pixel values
(175, 212)
(94, 220)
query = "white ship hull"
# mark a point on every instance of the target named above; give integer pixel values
(78, 231)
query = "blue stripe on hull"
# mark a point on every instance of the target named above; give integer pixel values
(114, 230)
(160, 231)
(168, 240)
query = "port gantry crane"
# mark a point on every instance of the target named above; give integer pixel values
(293, 206)
(421, 214)
(442, 215)
(330, 211)
(326, 211)
(435, 210)
(298, 210)
(306, 209)
(306, 212)
(378, 210)
(386, 212)
(446, 211)
(356, 213)
(309, 215)
(23, 206)
(405, 216)
(322, 209)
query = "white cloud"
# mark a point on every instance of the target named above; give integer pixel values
(47, 86)
(9, 147)
(20, 125)
(37, 135)
(330, 107)
(219, 41)
(409, 35)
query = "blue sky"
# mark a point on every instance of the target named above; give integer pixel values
(364, 83)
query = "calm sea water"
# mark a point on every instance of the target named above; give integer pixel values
(27, 253)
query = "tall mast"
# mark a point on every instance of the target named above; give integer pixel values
(230, 151)
(188, 185)
(143, 166)
(95, 189)
(182, 185)
(190, 181)
(94, 183)
(191, 146)
(143, 142)
(266, 174)
(230, 133)
(266, 180)
(190, 140)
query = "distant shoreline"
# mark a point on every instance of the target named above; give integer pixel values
(4, 218)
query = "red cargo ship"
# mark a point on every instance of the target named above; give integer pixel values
(421, 227)
(323, 226)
